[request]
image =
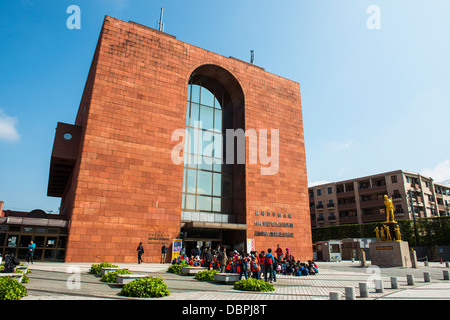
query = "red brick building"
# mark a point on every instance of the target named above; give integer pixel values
(114, 168)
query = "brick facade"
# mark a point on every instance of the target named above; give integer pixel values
(124, 184)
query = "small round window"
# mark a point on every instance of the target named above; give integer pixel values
(67, 136)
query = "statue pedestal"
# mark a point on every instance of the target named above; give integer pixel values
(390, 254)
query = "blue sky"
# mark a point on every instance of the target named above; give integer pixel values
(373, 100)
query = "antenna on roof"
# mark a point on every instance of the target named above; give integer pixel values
(252, 56)
(160, 23)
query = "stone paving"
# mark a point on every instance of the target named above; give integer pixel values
(58, 281)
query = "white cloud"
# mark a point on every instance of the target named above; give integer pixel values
(8, 131)
(440, 173)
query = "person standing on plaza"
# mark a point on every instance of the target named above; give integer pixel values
(208, 258)
(274, 269)
(279, 253)
(268, 265)
(262, 267)
(163, 253)
(254, 265)
(222, 257)
(243, 263)
(140, 251)
(30, 252)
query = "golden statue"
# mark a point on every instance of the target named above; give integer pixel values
(377, 232)
(389, 209)
(398, 233)
(383, 238)
(388, 233)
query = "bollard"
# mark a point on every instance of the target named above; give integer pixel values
(335, 296)
(446, 275)
(447, 264)
(379, 286)
(410, 279)
(363, 291)
(425, 263)
(394, 283)
(349, 293)
(426, 277)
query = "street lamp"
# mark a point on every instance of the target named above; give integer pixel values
(414, 217)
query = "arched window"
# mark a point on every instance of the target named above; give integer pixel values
(207, 180)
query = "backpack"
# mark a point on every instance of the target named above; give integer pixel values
(268, 260)
(15, 261)
(243, 263)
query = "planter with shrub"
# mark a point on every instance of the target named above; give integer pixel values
(254, 285)
(97, 268)
(11, 289)
(111, 277)
(146, 288)
(206, 275)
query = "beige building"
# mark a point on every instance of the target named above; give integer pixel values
(361, 200)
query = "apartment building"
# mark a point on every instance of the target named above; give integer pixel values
(361, 200)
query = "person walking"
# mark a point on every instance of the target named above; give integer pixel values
(163, 253)
(30, 252)
(140, 251)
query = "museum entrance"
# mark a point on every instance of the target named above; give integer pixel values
(197, 239)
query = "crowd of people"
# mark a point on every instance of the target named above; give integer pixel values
(259, 265)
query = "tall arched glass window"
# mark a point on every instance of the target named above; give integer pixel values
(207, 181)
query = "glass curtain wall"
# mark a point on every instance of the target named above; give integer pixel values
(207, 181)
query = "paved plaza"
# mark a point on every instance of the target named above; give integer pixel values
(71, 281)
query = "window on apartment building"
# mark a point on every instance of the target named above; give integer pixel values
(319, 192)
(394, 179)
(330, 190)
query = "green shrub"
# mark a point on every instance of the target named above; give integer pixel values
(25, 279)
(176, 268)
(146, 288)
(207, 275)
(11, 289)
(254, 285)
(97, 268)
(111, 277)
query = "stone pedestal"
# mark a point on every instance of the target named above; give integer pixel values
(390, 254)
